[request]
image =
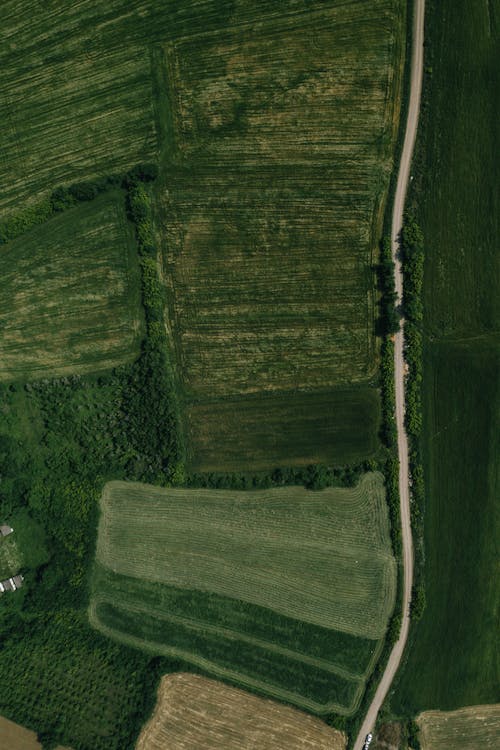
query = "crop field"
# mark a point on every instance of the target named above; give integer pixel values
(194, 713)
(70, 294)
(466, 729)
(342, 422)
(285, 591)
(75, 107)
(10, 558)
(453, 660)
(277, 149)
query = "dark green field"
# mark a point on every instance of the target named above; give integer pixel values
(70, 294)
(453, 656)
(276, 150)
(260, 430)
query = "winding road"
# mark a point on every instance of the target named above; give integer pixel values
(417, 60)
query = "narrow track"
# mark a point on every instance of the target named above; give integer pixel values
(417, 55)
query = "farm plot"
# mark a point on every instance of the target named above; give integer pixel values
(75, 108)
(302, 89)
(267, 589)
(194, 713)
(70, 294)
(276, 153)
(466, 729)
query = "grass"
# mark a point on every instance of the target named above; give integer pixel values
(10, 558)
(452, 659)
(70, 297)
(194, 713)
(178, 575)
(276, 152)
(468, 728)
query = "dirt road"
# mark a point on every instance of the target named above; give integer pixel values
(404, 490)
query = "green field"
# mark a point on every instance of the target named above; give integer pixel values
(276, 151)
(285, 591)
(453, 657)
(319, 426)
(467, 729)
(75, 107)
(10, 557)
(70, 294)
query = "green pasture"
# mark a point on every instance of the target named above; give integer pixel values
(70, 294)
(286, 591)
(453, 655)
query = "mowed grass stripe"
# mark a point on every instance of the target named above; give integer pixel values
(287, 549)
(247, 665)
(343, 653)
(70, 296)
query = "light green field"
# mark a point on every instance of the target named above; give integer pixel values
(303, 554)
(10, 557)
(286, 591)
(276, 150)
(70, 294)
(471, 728)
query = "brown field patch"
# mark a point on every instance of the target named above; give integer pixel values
(15, 737)
(195, 713)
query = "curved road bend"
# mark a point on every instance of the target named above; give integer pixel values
(417, 54)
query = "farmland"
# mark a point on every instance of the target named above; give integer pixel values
(258, 587)
(468, 728)
(452, 660)
(70, 299)
(319, 426)
(194, 713)
(271, 289)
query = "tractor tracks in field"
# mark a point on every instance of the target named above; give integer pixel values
(417, 60)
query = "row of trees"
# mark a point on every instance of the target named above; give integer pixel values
(412, 242)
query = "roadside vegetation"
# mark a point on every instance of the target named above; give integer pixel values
(451, 655)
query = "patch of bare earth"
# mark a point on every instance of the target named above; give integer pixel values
(15, 737)
(195, 713)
